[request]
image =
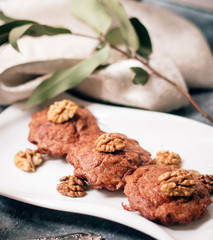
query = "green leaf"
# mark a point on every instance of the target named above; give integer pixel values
(114, 36)
(3, 38)
(100, 45)
(127, 31)
(69, 78)
(145, 48)
(39, 30)
(5, 18)
(7, 27)
(92, 13)
(141, 76)
(16, 33)
(33, 29)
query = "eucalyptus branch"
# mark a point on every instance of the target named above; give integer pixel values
(185, 93)
(87, 36)
(130, 33)
(146, 63)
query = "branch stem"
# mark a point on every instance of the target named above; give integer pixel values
(85, 36)
(185, 93)
(146, 63)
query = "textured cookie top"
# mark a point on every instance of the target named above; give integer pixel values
(145, 195)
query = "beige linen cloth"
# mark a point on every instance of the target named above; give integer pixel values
(175, 54)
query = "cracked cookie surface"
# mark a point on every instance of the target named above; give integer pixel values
(106, 170)
(143, 191)
(56, 138)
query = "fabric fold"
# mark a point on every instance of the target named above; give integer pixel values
(175, 42)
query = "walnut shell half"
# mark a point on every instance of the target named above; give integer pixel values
(177, 184)
(62, 111)
(72, 186)
(28, 160)
(110, 142)
(171, 159)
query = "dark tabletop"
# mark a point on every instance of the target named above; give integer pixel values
(21, 221)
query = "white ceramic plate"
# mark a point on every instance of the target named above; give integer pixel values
(154, 131)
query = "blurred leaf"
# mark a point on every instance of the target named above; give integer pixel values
(145, 48)
(7, 27)
(127, 31)
(102, 66)
(92, 13)
(16, 33)
(114, 36)
(5, 18)
(39, 30)
(3, 38)
(141, 76)
(33, 29)
(69, 78)
(100, 45)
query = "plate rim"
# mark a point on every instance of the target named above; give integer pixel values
(165, 234)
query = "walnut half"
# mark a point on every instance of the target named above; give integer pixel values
(208, 181)
(110, 142)
(72, 186)
(177, 184)
(62, 111)
(168, 158)
(28, 160)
